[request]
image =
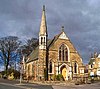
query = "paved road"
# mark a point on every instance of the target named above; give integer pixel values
(6, 84)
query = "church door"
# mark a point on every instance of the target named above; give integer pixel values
(64, 73)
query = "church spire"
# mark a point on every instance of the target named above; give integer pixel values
(43, 36)
(43, 26)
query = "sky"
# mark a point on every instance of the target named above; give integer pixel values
(80, 18)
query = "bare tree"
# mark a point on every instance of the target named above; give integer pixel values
(30, 45)
(8, 50)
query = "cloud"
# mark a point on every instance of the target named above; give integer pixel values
(80, 18)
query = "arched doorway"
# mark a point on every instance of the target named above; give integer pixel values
(64, 72)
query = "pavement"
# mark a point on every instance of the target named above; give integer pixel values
(85, 86)
(44, 85)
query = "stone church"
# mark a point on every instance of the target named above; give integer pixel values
(53, 56)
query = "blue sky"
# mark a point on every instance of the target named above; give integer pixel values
(81, 19)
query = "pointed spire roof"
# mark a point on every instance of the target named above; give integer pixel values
(43, 26)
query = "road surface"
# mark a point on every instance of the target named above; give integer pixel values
(7, 84)
(84, 86)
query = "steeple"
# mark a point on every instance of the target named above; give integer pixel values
(43, 26)
(43, 59)
(43, 36)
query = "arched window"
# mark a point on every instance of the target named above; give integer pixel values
(44, 40)
(66, 54)
(29, 68)
(41, 40)
(50, 67)
(63, 53)
(59, 55)
(33, 67)
(75, 68)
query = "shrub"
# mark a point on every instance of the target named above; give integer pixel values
(54, 77)
(16, 73)
(59, 77)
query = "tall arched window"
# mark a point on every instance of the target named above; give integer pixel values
(75, 68)
(63, 53)
(29, 68)
(60, 55)
(50, 67)
(33, 67)
(44, 40)
(66, 54)
(41, 40)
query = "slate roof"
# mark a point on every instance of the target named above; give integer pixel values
(91, 61)
(33, 56)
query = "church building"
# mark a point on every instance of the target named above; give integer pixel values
(53, 56)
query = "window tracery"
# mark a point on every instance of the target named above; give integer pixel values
(63, 53)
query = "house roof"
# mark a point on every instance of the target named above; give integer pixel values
(91, 61)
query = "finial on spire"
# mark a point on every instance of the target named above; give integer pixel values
(43, 7)
(62, 28)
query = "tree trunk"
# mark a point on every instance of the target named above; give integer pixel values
(6, 66)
